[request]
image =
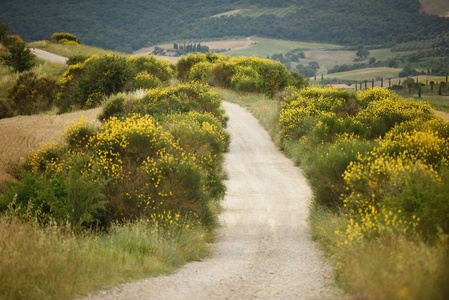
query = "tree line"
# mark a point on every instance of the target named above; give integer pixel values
(120, 26)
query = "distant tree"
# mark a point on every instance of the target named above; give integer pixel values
(175, 46)
(314, 65)
(4, 30)
(362, 52)
(431, 85)
(410, 83)
(19, 57)
(372, 60)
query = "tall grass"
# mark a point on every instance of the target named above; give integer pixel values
(53, 263)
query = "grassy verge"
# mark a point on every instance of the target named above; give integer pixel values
(262, 107)
(51, 262)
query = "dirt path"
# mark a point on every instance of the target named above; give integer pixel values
(264, 249)
(45, 55)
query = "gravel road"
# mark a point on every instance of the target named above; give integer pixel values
(49, 56)
(264, 249)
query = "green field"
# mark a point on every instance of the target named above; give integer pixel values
(267, 47)
(366, 74)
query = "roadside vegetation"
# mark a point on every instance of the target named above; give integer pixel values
(377, 165)
(134, 197)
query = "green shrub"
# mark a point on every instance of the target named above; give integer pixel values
(144, 80)
(31, 95)
(5, 110)
(75, 59)
(64, 38)
(19, 57)
(159, 68)
(84, 85)
(114, 107)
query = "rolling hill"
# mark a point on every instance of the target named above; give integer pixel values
(131, 25)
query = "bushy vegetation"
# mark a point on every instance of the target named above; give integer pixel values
(85, 84)
(64, 38)
(144, 186)
(243, 74)
(379, 163)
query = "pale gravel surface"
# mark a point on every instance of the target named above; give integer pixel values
(264, 249)
(45, 55)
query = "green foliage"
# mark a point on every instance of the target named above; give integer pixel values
(380, 158)
(31, 95)
(85, 84)
(244, 74)
(132, 167)
(64, 38)
(5, 110)
(161, 21)
(75, 59)
(114, 107)
(19, 57)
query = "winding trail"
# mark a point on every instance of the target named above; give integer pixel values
(264, 249)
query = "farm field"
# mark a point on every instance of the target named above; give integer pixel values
(365, 74)
(22, 134)
(267, 47)
(435, 7)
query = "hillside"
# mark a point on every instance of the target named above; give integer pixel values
(128, 26)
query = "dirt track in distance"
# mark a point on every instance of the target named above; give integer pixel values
(264, 249)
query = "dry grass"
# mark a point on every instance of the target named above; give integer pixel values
(435, 7)
(21, 134)
(225, 44)
(52, 263)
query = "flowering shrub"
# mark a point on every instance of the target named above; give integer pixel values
(249, 74)
(31, 94)
(380, 158)
(64, 38)
(145, 80)
(135, 167)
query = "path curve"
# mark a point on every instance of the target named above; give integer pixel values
(264, 249)
(48, 56)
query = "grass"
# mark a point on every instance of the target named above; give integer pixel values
(53, 263)
(262, 107)
(365, 74)
(71, 50)
(383, 268)
(435, 7)
(267, 47)
(42, 68)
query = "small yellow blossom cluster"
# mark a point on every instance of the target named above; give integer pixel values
(159, 68)
(145, 80)
(302, 109)
(367, 96)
